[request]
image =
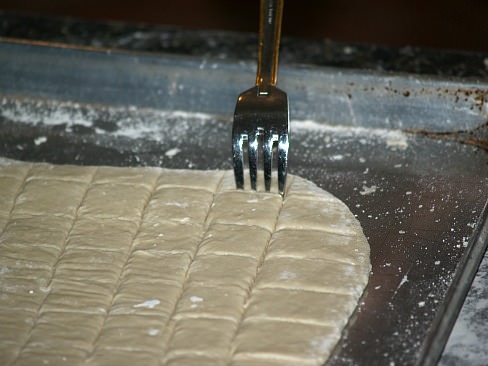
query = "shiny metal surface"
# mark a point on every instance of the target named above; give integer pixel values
(261, 118)
(418, 199)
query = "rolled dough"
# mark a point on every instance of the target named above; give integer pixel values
(147, 266)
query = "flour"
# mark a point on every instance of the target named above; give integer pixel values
(40, 140)
(393, 139)
(368, 190)
(153, 331)
(149, 304)
(136, 123)
(196, 299)
(172, 152)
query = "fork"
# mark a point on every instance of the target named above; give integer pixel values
(261, 115)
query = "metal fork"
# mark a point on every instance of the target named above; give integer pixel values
(261, 114)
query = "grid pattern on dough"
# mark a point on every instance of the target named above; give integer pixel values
(102, 265)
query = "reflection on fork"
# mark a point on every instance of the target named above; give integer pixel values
(261, 119)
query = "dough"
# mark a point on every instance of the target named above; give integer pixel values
(146, 266)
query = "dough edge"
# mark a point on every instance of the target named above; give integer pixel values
(299, 191)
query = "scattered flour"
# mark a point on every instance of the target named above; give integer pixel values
(393, 139)
(172, 152)
(396, 140)
(338, 157)
(153, 331)
(133, 122)
(319, 346)
(40, 140)
(403, 281)
(196, 299)
(368, 190)
(149, 304)
(287, 275)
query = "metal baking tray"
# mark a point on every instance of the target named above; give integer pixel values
(403, 151)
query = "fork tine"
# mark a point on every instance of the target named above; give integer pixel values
(261, 115)
(282, 162)
(267, 158)
(253, 157)
(237, 157)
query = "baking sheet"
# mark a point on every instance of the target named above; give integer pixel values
(418, 199)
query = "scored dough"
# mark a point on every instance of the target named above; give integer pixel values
(149, 266)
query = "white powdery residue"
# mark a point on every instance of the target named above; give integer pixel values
(172, 152)
(193, 115)
(131, 122)
(481, 305)
(153, 331)
(150, 127)
(368, 190)
(320, 346)
(421, 304)
(465, 336)
(287, 275)
(40, 140)
(177, 204)
(182, 220)
(45, 289)
(148, 304)
(337, 157)
(67, 113)
(396, 140)
(195, 298)
(462, 333)
(134, 129)
(314, 126)
(403, 281)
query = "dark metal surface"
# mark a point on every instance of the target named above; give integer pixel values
(195, 84)
(418, 199)
(447, 314)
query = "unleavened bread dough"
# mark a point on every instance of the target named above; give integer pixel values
(147, 266)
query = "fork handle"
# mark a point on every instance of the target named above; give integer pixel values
(271, 13)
